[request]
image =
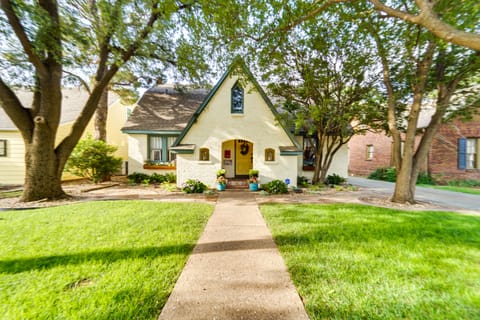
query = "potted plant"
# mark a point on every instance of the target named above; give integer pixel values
(221, 181)
(253, 180)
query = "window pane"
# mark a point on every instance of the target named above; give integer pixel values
(471, 153)
(155, 142)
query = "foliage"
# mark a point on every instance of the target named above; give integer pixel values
(194, 186)
(221, 172)
(356, 261)
(384, 174)
(80, 259)
(335, 179)
(137, 177)
(302, 181)
(275, 187)
(464, 183)
(155, 178)
(93, 159)
(390, 175)
(253, 173)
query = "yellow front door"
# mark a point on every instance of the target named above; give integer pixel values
(243, 157)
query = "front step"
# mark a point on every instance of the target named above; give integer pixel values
(237, 183)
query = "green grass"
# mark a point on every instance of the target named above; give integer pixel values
(97, 260)
(363, 262)
(456, 189)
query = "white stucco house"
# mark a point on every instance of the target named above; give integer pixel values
(233, 126)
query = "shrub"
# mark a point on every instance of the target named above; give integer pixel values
(302, 181)
(193, 186)
(390, 174)
(424, 178)
(335, 179)
(157, 178)
(384, 174)
(465, 183)
(93, 159)
(170, 177)
(275, 187)
(253, 173)
(137, 177)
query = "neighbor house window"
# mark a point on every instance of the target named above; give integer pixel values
(159, 148)
(309, 147)
(472, 153)
(237, 98)
(3, 148)
(269, 154)
(468, 155)
(204, 154)
(370, 150)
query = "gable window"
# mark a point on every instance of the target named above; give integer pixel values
(159, 148)
(237, 98)
(3, 148)
(269, 154)
(204, 154)
(370, 151)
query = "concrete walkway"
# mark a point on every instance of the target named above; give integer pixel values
(235, 271)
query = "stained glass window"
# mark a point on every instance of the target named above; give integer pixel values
(237, 98)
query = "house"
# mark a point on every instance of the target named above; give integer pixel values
(454, 153)
(233, 126)
(12, 165)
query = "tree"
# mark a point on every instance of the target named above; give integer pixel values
(323, 74)
(417, 68)
(47, 36)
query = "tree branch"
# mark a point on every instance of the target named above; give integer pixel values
(82, 81)
(16, 111)
(19, 30)
(430, 20)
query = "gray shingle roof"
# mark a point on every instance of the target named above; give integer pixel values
(73, 100)
(164, 109)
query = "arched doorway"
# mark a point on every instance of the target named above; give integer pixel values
(237, 158)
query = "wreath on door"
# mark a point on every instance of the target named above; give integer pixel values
(244, 149)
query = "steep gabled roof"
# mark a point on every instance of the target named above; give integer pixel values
(164, 109)
(237, 64)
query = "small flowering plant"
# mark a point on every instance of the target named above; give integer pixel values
(221, 172)
(253, 179)
(221, 180)
(193, 186)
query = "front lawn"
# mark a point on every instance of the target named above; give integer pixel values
(97, 260)
(363, 262)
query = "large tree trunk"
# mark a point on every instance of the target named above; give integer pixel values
(43, 175)
(101, 116)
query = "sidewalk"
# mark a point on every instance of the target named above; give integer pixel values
(235, 271)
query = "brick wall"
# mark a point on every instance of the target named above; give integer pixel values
(358, 162)
(443, 154)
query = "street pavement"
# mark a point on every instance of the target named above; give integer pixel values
(451, 199)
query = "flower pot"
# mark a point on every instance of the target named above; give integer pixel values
(253, 186)
(221, 186)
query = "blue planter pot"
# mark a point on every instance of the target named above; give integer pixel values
(221, 187)
(253, 186)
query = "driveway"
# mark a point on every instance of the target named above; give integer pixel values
(452, 199)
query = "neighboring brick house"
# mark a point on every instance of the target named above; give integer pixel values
(455, 151)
